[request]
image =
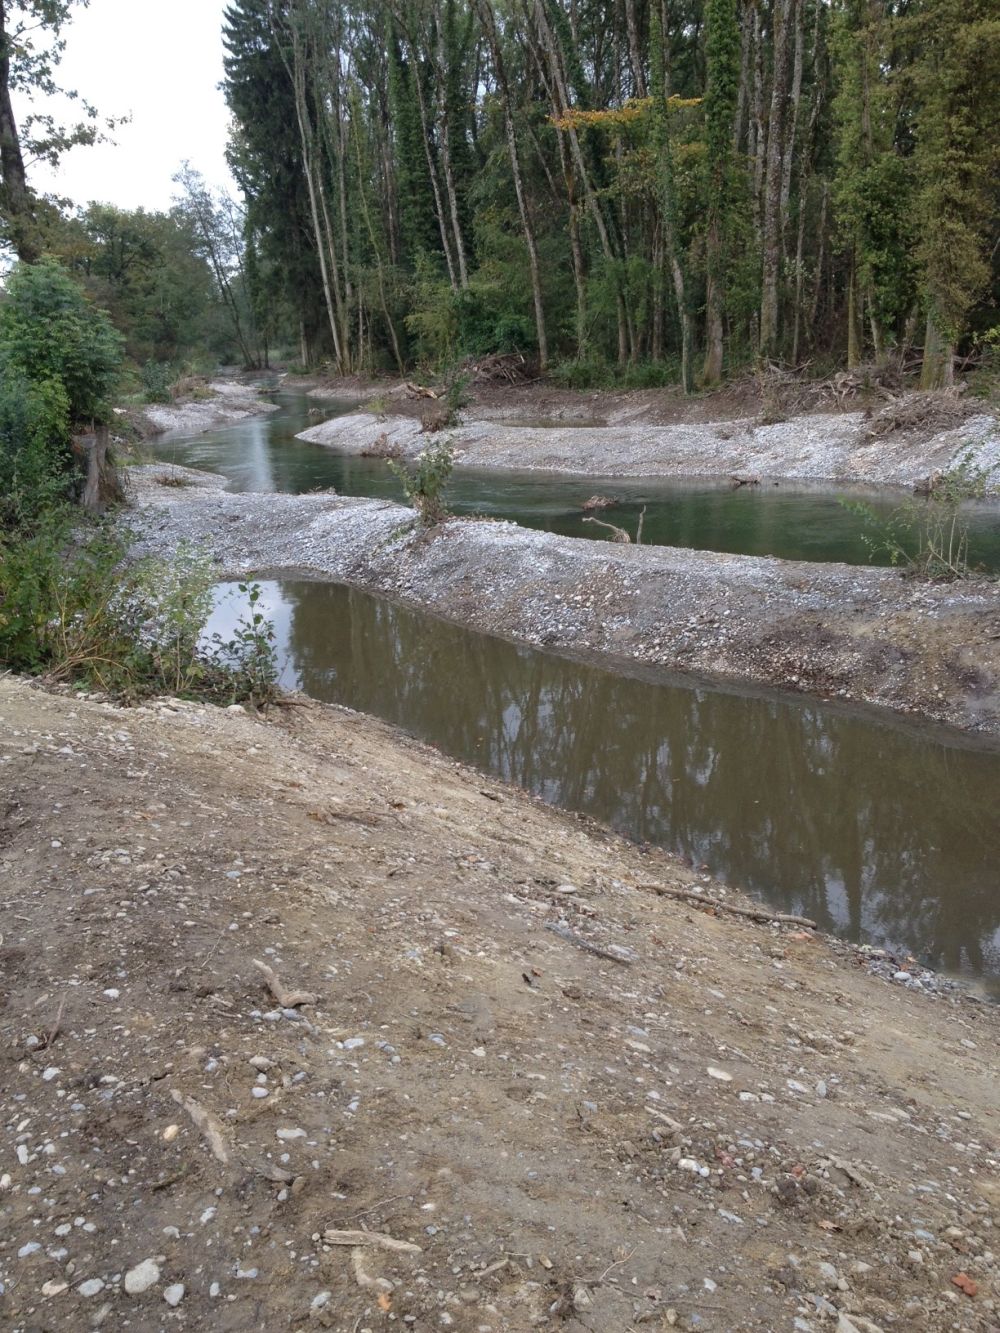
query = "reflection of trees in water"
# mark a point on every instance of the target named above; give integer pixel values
(821, 812)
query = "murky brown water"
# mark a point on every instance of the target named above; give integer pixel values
(880, 831)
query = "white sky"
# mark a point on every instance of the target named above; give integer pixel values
(161, 62)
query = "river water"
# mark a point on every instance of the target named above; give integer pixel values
(792, 521)
(882, 831)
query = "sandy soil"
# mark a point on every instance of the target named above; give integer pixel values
(583, 1106)
(840, 631)
(832, 447)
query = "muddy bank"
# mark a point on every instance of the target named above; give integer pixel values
(581, 1105)
(225, 401)
(830, 447)
(865, 635)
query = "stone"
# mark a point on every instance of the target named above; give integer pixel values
(91, 1287)
(174, 1294)
(55, 1288)
(142, 1277)
(32, 1247)
(720, 1074)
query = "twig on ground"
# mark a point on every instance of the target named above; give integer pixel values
(207, 1123)
(288, 999)
(364, 1279)
(617, 953)
(377, 1240)
(717, 905)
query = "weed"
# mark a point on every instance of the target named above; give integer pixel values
(928, 537)
(248, 657)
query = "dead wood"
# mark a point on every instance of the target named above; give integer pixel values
(717, 905)
(615, 954)
(371, 1240)
(287, 999)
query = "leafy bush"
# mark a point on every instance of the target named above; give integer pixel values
(74, 609)
(157, 377)
(426, 483)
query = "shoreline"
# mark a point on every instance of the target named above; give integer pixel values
(834, 448)
(850, 633)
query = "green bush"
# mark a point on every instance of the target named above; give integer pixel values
(157, 377)
(426, 483)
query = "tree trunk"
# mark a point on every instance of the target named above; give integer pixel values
(854, 325)
(444, 120)
(938, 369)
(489, 25)
(772, 185)
(16, 203)
(102, 486)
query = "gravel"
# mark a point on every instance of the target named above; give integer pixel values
(836, 631)
(818, 447)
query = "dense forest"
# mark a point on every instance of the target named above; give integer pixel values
(672, 191)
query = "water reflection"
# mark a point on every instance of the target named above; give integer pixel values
(878, 831)
(793, 522)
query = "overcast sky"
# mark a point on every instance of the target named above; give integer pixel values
(161, 62)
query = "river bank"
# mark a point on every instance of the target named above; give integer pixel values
(222, 402)
(836, 631)
(589, 1106)
(830, 447)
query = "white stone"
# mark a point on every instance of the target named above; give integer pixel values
(91, 1287)
(174, 1294)
(720, 1074)
(142, 1277)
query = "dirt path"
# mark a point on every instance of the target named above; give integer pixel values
(836, 631)
(646, 1117)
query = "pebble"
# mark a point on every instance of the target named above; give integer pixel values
(112, 993)
(170, 1133)
(55, 1288)
(91, 1287)
(353, 1043)
(214, 1289)
(22, 1154)
(142, 1277)
(49, 1074)
(720, 1074)
(258, 1092)
(174, 1294)
(287, 1135)
(32, 1247)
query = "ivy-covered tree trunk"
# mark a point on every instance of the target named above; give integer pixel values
(722, 55)
(16, 204)
(772, 228)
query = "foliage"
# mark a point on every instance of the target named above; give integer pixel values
(157, 377)
(50, 332)
(248, 656)
(74, 608)
(929, 537)
(425, 483)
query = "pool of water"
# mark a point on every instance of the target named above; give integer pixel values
(880, 831)
(794, 522)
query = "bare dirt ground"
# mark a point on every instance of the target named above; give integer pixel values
(580, 1105)
(836, 631)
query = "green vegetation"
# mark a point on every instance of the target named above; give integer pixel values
(928, 535)
(426, 482)
(632, 195)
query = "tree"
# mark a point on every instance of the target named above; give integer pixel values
(31, 45)
(59, 363)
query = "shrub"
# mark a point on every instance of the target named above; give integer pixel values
(425, 484)
(157, 377)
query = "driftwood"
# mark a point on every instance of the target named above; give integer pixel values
(209, 1125)
(287, 999)
(621, 536)
(717, 905)
(420, 390)
(616, 954)
(370, 1240)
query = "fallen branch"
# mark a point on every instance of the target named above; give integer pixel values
(287, 999)
(207, 1123)
(376, 1240)
(616, 953)
(717, 905)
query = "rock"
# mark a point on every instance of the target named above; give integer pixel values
(91, 1287)
(142, 1277)
(720, 1074)
(170, 1133)
(174, 1294)
(258, 1092)
(287, 1135)
(32, 1247)
(567, 888)
(112, 993)
(55, 1288)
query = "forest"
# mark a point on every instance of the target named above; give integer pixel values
(652, 193)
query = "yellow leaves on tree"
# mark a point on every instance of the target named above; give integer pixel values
(635, 109)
